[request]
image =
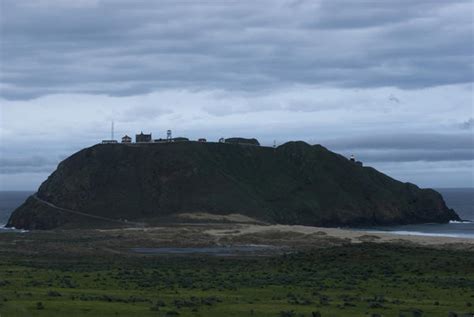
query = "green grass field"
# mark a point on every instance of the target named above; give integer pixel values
(354, 280)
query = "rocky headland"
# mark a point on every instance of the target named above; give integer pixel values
(295, 183)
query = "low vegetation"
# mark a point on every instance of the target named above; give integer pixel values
(354, 280)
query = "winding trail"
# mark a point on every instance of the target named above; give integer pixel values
(78, 213)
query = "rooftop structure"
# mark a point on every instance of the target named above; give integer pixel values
(243, 141)
(126, 139)
(143, 138)
(179, 139)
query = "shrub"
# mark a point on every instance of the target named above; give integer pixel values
(287, 313)
(53, 294)
(4, 282)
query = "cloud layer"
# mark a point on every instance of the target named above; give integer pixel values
(133, 47)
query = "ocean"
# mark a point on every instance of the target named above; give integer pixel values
(460, 199)
(9, 200)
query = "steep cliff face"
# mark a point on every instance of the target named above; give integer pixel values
(293, 184)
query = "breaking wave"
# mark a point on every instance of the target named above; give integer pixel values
(12, 229)
(431, 234)
(462, 221)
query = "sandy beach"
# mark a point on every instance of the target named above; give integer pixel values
(350, 235)
(286, 236)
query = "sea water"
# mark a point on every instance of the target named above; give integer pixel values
(460, 199)
(9, 200)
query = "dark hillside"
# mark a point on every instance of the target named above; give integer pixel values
(295, 183)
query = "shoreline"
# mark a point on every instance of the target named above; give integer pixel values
(353, 235)
(185, 234)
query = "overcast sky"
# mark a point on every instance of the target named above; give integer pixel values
(388, 81)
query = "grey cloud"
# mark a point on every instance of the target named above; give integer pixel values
(407, 147)
(333, 14)
(134, 47)
(35, 164)
(394, 99)
(430, 141)
(143, 112)
(412, 155)
(469, 124)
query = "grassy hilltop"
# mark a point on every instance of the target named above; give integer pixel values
(296, 183)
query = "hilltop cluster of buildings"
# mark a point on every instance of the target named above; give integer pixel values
(147, 138)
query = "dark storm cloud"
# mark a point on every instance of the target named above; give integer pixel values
(134, 47)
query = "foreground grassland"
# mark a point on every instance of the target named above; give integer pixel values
(349, 280)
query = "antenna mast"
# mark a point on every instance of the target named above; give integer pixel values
(112, 131)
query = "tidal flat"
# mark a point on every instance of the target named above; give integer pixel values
(317, 273)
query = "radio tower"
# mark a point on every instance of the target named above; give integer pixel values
(112, 131)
